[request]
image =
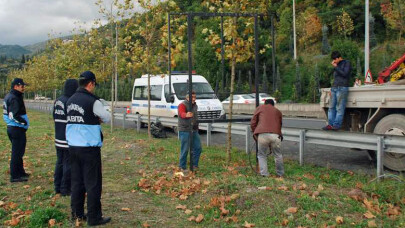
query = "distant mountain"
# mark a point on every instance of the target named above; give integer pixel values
(13, 51)
(39, 47)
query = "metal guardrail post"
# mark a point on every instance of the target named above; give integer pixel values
(138, 123)
(302, 146)
(123, 120)
(209, 131)
(380, 157)
(248, 136)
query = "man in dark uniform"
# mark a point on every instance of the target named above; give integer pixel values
(85, 112)
(15, 116)
(62, 167)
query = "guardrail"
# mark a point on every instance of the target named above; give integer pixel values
(380, 143)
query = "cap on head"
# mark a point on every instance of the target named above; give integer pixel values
(18, 81)
(88, 76)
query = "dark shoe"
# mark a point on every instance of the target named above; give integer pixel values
(80, 218)
(100, 221)
(327, 128)
(65, 194)
(26, 175)
(20, 179)
(335, 128)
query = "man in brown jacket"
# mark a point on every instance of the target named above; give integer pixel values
(266, 127)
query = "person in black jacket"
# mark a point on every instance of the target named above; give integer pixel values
(339, 91)
(15, 116)
(62, 167)
(85, 113)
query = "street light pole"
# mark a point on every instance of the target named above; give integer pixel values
(367, 40)
(295, 34)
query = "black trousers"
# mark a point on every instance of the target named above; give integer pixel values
(86, 177)
(62, 171)
(18, 141)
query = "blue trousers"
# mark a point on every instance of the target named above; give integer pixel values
(185, 144)
(337, 106)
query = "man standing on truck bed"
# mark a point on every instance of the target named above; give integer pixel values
(339, 91)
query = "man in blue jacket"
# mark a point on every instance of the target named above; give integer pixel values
(339, 91)
(62, 167)
(85, 113)
(15, 116)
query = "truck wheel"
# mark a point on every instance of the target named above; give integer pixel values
(393, 124)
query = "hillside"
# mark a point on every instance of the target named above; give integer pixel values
(13, 51)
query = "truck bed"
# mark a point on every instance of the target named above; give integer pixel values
(370, 96)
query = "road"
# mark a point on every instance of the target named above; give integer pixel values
(326, 156)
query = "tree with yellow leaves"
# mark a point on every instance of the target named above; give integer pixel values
(345, 24)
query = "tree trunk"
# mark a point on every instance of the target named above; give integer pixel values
(229, 146)
(147, 69)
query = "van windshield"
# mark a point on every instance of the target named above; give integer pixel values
(203, 90)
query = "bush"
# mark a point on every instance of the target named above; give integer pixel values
(41, 216)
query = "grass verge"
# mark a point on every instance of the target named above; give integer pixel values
(142, 187)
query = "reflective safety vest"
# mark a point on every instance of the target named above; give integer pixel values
(83, 126)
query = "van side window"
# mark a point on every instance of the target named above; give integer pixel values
(167, 92)
(155, 93)
(141, 93)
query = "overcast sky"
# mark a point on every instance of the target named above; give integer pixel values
(26, 22)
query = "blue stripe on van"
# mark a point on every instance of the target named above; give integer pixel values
(136, 105)
(160, 106)
(173, 107)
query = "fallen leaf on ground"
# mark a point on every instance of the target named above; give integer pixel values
(51, 222)
(350, 173)
(357, 194)
(320, 187)
(182, 207)
(145, 224)
(359, 185)
(197, 206)
(283, 188)
(339, 219)
(237, 212)
(248, 225)
(233, 218)
(224, 211)
(285, 222)
(192, 218)
(303, 187)
(292, 210)
(234, 196)
(369, 215)
(183, 197)
(371, 223)
(188, 211)
(26, 186)
(393, 210)
(309, 176)
(315, 194)
(199, 218)
(125, 209)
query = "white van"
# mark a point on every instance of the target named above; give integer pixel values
(209, 106)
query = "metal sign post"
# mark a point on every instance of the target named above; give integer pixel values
(190, 16)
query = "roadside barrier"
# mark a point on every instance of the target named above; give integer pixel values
(366, 141)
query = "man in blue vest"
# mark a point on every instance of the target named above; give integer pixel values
(62, 167)
(15, 116)
(85, 112)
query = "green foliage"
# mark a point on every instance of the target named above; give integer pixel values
(41, 216)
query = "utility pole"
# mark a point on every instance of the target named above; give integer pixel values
(116, 64)
(367, 40)
(295, 34)
(112, 73)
